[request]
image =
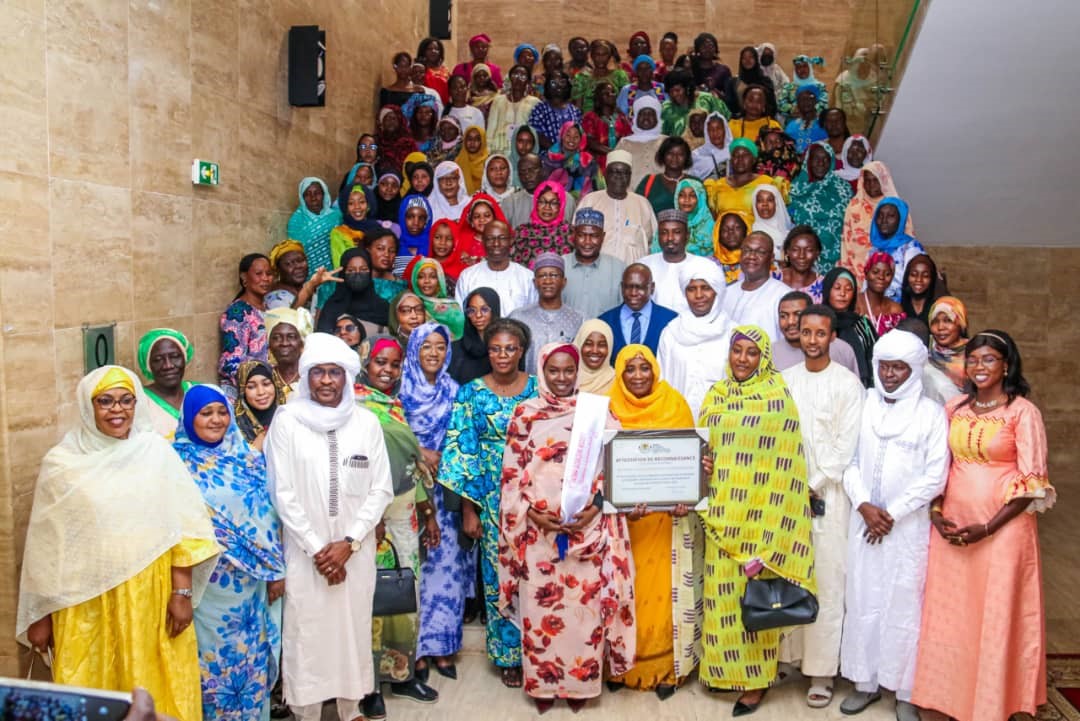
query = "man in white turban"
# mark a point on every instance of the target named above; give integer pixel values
(693, 346)
(330, 476)
(901, 465)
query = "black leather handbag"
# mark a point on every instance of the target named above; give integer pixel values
(395, 589)
(775, 603)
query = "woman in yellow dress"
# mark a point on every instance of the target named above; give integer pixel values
(118, 552)
(668, 580)
(758, 520)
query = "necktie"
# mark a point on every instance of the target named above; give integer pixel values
(635, 328)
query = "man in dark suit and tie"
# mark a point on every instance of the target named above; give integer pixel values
(638, 319)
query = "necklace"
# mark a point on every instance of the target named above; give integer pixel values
(987, 404)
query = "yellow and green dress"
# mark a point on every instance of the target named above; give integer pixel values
(110, 520)
(759, 508)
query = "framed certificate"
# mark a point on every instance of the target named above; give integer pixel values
(660, 468)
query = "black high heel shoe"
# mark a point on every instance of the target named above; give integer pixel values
(745, 709)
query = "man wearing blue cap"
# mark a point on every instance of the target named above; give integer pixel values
(592, 277)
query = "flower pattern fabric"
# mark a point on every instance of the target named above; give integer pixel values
(238, 631)
(243, 337)
(472, 467)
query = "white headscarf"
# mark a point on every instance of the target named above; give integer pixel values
(890, 419)
(708, 158)
(690, 329)
(849, 172)
(440, 208)
(321, 348)
(778, 226)
(645, 136)
(773, 72)
(105, 509)
(485, 186)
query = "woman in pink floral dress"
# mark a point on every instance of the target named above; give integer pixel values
(567, 585)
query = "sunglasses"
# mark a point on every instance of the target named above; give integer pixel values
(347, 328)
(367, 146)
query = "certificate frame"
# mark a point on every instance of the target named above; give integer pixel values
(638, 468)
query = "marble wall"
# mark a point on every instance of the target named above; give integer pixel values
(103, 105)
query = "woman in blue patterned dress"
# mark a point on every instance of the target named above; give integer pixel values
(238, 622)
(428, 392)
(472, 468)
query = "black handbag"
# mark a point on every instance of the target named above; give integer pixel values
(775, 603)
(395, 589)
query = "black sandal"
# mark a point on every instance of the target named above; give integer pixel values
(512, 677)
(745, 709)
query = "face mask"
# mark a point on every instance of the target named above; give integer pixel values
(357, 282)
(767, 60)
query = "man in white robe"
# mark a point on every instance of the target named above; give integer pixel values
(629, 220)
(755, 299)
(511, 281)
(330, 478)
(694, 347)
(673, 262)
(901, 465)
(830, 399)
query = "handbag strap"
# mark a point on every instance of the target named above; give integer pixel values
(47, 659)
(393, 549)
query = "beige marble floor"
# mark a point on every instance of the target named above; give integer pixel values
(477, 694)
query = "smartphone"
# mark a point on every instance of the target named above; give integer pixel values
(52, 702)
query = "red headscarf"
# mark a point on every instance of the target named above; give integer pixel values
(452, 265)
(878, 257)
(469, 238)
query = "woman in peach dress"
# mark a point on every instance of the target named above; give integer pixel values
(875, 184)
(982, 649)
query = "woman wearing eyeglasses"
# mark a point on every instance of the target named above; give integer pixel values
(469, 356)
(118, 552)
(472, 461)
(547, 230)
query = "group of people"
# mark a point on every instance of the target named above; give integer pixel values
(418, 377)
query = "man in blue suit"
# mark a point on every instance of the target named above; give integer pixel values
(638, 319)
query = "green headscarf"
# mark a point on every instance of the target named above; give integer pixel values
(148, 341)
(443, 308)
(746, 144)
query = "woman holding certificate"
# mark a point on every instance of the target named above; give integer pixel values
(565, 575)
(758, 521)
(666, 584)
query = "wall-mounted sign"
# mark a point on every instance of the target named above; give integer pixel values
(99, 346)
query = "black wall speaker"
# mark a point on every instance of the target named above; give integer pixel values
(307, 66)
(439, 18)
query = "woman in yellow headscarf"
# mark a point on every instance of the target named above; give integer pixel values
(118, 552)
(667, 584)
(758, 520)
(471, 159)
(595, 341)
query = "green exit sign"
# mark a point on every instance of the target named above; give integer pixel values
(204, 172)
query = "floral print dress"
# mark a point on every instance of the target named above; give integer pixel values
(574, 603)
(238, 630)
(471, 466)
(243, 337)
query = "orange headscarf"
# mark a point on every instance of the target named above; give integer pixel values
(663, 408)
